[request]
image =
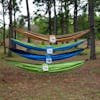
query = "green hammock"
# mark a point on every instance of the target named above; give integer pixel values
(51, 67)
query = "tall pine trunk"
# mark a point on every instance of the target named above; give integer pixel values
(4, 28)
(92, 32)
(14, 22)
(62, 18)
(10, 27)
(55, 18)
(75, 16)
(14, 26)
(28, 18)
(66, 17)
(49, 11)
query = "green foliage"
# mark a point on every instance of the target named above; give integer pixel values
(21, 21)
(0, 37)
(42, 24)
(83, 22)
(1, 34)
(97, 5)
(97, 27)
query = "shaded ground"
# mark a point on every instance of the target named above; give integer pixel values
(78, 84)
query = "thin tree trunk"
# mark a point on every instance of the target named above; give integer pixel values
(75, 16)
(28, 17)
(66, 18)
(14, 23)
(92, 33)
(14, 26)
(55, 19)
(4, 29)
(49, 11)
(10, 28)
(62, 19)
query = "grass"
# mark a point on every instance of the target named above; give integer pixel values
(78, 84)
(98, 50)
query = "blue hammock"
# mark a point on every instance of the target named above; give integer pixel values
(43, 57)
(29, 46)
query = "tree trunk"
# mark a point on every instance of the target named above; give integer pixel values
(75, 16)
(66, 18)
(14, 26)
(49, 11)
(28, 17)
(62, 19)
(10, 28)
(15, 23)
(4, 28)
(55, 19)
(92, 33)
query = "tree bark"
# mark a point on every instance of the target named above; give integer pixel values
(4, 28)
(92, 32)
(28, 17)
(10, 28)
(62, 19)
(49, 11)
(14, 25)
(75, 16)
(55, 19)
(66, 18)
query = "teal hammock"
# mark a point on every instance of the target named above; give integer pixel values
(51, 68)
(41, 48)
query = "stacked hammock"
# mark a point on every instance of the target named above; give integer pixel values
(51, 68)
(58, 39)
(55, 57)
(43, 57)
(34, 47)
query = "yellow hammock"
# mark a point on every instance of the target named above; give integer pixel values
(58, 38)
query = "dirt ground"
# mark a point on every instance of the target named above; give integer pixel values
(79, 84)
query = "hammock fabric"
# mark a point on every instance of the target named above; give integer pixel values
(45, 45)
(51, 68)
(31, 35)
(30, 46)
(43, 57)
(73, 37)
(69, 35)
(40, 37)
(27, 45)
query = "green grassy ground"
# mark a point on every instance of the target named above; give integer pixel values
(78, 84)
